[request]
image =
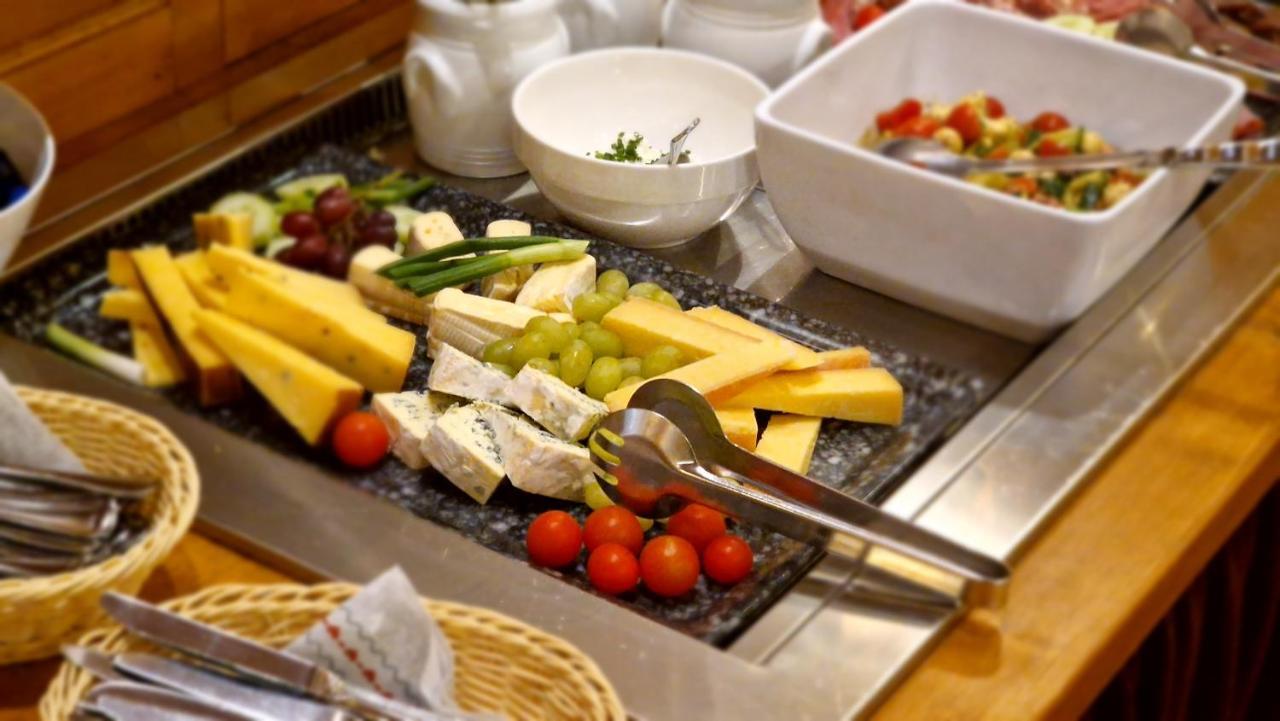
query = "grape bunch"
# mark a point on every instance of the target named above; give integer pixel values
(337, 227)
(582, 352)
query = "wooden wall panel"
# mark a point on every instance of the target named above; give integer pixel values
(24, 20)
(252, 24)
(197, 39)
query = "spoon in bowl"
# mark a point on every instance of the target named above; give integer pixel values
(674, 154)
(1159, 30)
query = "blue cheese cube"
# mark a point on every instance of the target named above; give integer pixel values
(463, 447)
(408, 417)
(458, 374)
(538, 462)
(554, 404)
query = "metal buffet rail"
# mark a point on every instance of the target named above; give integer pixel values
(832, 646)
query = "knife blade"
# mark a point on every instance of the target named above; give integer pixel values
(224, 692)
(128, 701)
(92, 660)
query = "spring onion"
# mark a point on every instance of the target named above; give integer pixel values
(93, 354)
(463, 247)
(486, 265)
(391, 189)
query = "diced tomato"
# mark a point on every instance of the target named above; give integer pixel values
(917, 127)
(866, 15)
(995, 108)
(1125, 175)
(1023, 186)
(1049, 122)
(999, 153)
(964, 120)
(1050, 148)
(1250, 127)
(906, 110)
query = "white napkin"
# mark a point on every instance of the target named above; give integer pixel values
(26, 441)
(383, 640)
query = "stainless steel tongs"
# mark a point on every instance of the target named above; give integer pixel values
(667, 449)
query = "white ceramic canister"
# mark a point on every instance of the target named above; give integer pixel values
(609, 23)
(771, 38)
(26, 140)
(463, 61)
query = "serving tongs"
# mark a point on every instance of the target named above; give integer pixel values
(667, 449)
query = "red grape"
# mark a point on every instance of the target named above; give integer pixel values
(299, 224)
(378, 235)
(382, 217)
(336, 261)
(309, 252)
(334, 205)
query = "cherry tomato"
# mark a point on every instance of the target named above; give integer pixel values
(1023, 186)
(866, 15)
(613, 569)
(554, 539)
(727, 560)
(906, 110)
(669, 566)
(360, 439)
(995, 108)
(1049, 122)
(697, 524)
(965, 120)
(613, 524)
(917, 127)
(999, 153)
(1050, 148)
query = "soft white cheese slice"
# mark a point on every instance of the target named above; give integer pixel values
(553, 286)
(463, 447)
(408, 417)
(458, 374)
(538, 462)
(554, 404)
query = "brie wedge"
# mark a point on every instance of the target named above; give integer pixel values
(554, 404)
(553, 287)
(538, 462)
(408, 417)
(458, 374)
(470, 322)
(462, 446)
(505, 284)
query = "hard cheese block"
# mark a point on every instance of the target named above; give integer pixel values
(718, 377)
(381, 294)
(202, 282)
(161, 366)
(553, 286)
(789, 440)
(867, 395)
(856, 357)
(130, 305)
(805, 357)
(644, 325)
(233, 229)
(432, 230)
(463, 447)
(458, 374)
(310, 395)
(216, 377)
(739, 425)
(120, 270)
(538, 462)
(225, 262)
(565, 411)
(506, 284)
(470, 322)
(375, 354)
(409, 417)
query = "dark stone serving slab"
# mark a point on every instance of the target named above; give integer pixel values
(863, 460)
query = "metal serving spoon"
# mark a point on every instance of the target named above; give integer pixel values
(933, 156)
(1158, 29)
(672, 156)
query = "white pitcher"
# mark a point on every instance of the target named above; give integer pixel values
(463, 61)
(771, 38)
(606, 23)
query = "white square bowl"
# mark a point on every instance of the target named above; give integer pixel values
(1000, 262)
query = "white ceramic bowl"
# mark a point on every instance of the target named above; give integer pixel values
(571, 107)
(26, 139)
(1006, 264)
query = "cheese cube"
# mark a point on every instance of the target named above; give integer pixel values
(408, 417)
(538, 462)
(505, 284)
(739, 426)
(462, 446)
(805, 357)
(856, 357)
(381, 294)
(644, 325)
(310, 395)
(458, 374)
(233, 229)
(430, 231)
(553, 286)
(867, 395)
(789, 441)
(554, 404)
(718, 377)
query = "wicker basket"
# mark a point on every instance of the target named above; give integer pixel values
(37, 615)
(503, 665)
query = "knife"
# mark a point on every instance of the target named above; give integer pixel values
(92, 660)
(255, 661)
(127, 701)
(223, 692)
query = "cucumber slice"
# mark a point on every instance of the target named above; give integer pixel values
(265, 223)
(404, 219)
(309, 186)
(279, 245)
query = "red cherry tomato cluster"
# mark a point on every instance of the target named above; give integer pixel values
(360, 440)
(619, 559)
(337, 226)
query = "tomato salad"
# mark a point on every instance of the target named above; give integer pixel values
(978, 126)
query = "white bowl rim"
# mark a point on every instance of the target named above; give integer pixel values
(764, 111)
(36, 185)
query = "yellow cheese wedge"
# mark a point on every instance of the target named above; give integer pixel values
(644, 325)
(120, 270)
(216, 378)
(789, 440)
(856, 357)
(867, 395)
(130, 305)
(202, 282)
(805, 357)
(310, 395)
(161, 366)
(233, 229)
(375, 354)
(225, 262)
(718, 377)
(739, 425)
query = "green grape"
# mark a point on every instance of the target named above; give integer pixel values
(603, 342)
(595, 496)
(499, 351)
(605, 375)
(573, 329)
(593, 306)
(630, 381)
(632, 366)
(663, 359)
(546, 365)
(645, 290)
(666, 298)
(503, 367)
(550, 327)
(531, 345)
(575, 363)
(613, 282)
(590, 325)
